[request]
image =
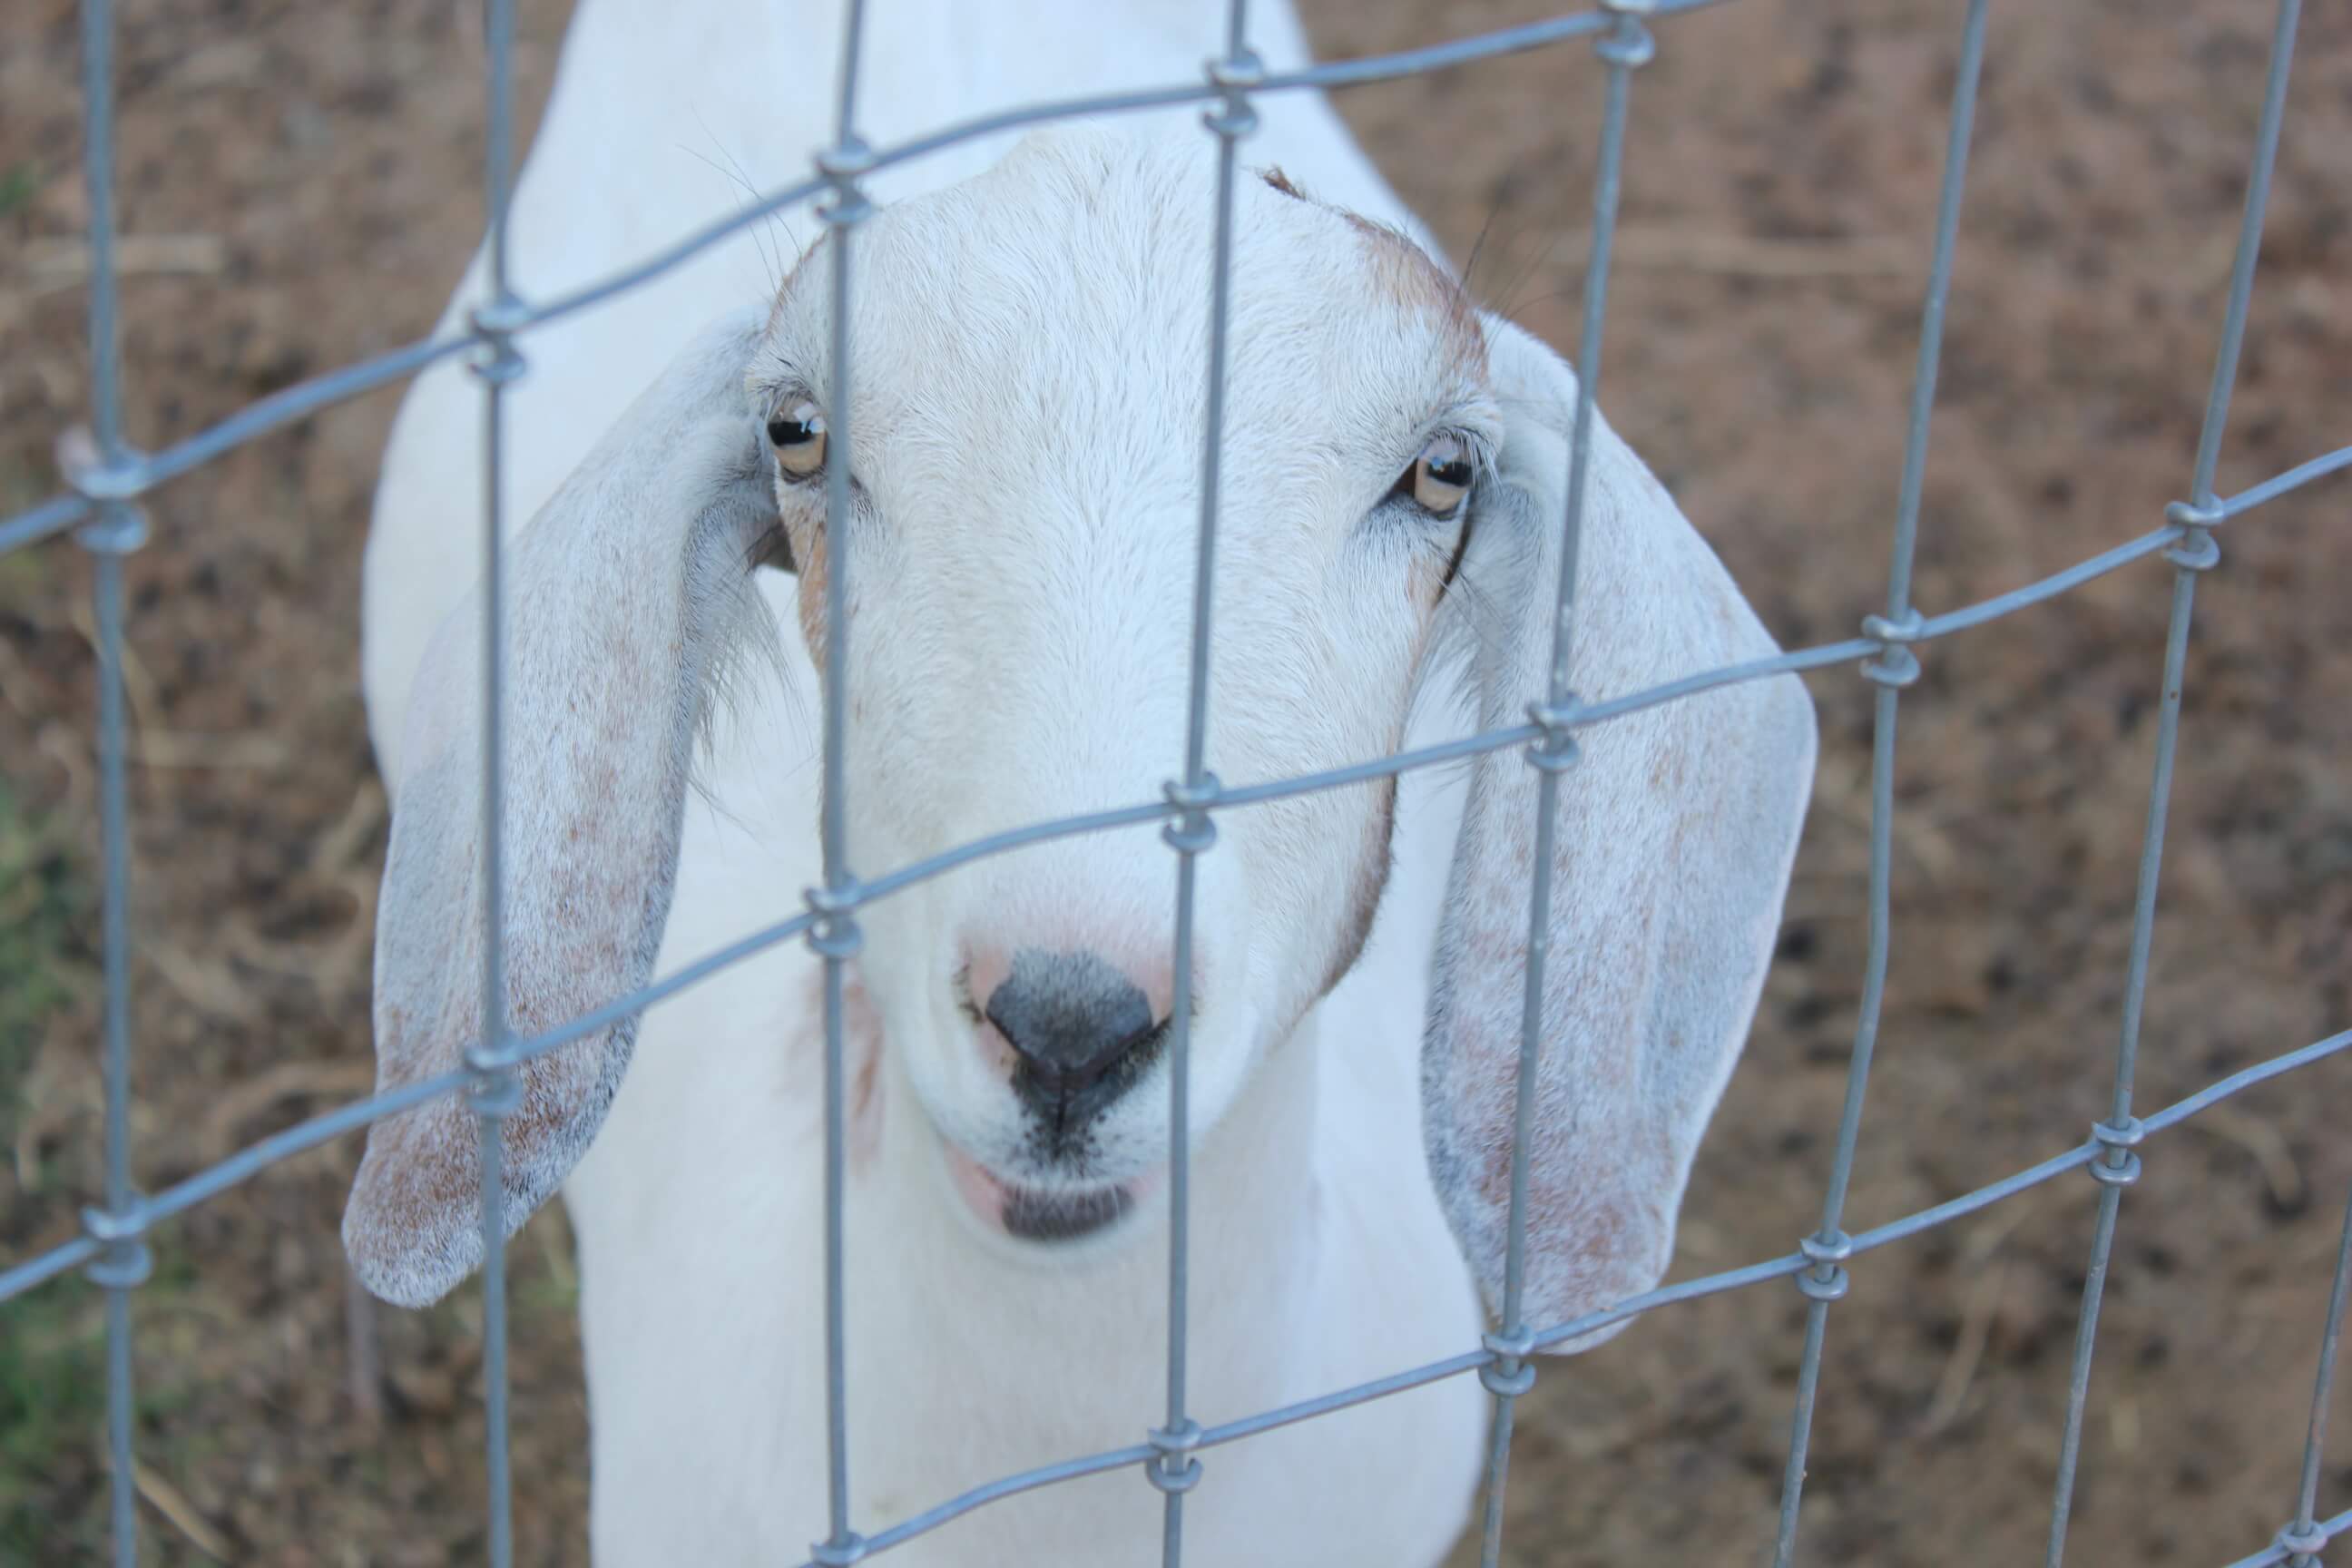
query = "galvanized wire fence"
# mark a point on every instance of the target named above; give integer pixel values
(108, 477)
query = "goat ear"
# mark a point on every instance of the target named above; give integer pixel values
(1675, 833)
(623, 593)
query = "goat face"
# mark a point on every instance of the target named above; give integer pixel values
(1027, 407)
(1022, 453)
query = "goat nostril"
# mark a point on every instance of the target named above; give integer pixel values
(1070, 1017)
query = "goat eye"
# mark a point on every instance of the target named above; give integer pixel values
(799, 440)
(1439, 478)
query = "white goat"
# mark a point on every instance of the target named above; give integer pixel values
(1029, 384)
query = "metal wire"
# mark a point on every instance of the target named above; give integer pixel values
(116, 530)
(2193, 554)
(836, 936)
(1484, 1357)
(2300, 1531)
(1625, 47)
(1895, 667)
(100, 507)
(494, 1089)
(1172, 1468)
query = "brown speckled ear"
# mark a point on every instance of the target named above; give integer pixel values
(1676, 827)
(623, 594)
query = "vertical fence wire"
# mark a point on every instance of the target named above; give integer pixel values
(124, 1264)
(2302, 1536)
(837, 937)
(495, 1090)
(1173, 1469)
(2250, 241)
(1893, 667)
(2118, 1166)
(1625, 48)
(118, 528)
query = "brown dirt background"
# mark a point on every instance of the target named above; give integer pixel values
(1778, 199)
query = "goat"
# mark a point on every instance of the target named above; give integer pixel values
(1030, 327)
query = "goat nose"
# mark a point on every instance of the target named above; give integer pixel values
(1072, 1018)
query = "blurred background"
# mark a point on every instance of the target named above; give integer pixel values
(298, 188)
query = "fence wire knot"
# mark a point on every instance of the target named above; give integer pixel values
(1827, 1279)
(1629, 46)
(110, 484)
(836, 933)
(1234, 76)
(495, 323)
(1511, 1373)
(2302, 1539)
(841, 166)
(1194, 830)
(119, 528)
(839, 1552)
(2119, 1167)
(497, 1088)
(96, 477)
(128, 1260)
(2196, 550)
(1171, 1443)
(1554, 751)
(1895, 666)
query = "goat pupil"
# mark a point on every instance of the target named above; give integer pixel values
(789, 432)
(1456, 473)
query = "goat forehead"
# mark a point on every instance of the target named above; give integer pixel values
(1062, 298)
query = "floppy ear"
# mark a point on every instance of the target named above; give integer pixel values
(622, 596)
(1676, 830)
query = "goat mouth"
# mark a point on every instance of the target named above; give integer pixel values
(1040, 1214)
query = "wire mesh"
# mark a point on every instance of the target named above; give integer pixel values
(109, 477)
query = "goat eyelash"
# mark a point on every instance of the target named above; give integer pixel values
(773, 547)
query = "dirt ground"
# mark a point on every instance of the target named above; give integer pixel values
(1777, 203)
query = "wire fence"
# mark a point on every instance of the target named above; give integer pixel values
(108, 477)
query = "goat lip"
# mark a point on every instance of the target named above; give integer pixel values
(1038, 1214)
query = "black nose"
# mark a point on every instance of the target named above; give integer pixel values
(1082, 1030)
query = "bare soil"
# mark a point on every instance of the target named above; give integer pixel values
(1779, 193)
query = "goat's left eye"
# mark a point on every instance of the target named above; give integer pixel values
(1439, 478)
(799, 439)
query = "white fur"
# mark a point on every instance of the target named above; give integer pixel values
(1028, 369)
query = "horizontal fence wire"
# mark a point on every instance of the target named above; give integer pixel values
(356, 1115)
(108, 480)
(133, 474)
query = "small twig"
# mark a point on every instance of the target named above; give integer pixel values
(148, 744)
(61, 744)
(18, 680)
(1664, 249)
(363, 1352)
(174, 1505)
(340, 844)
(1968, 1349)
(1976, 1315)
(51, 263)
(61, 1087)
(2266, 1144)
(224, 1125)
(555, 1243)
(139, 688)
(216, 992)
(233, 750)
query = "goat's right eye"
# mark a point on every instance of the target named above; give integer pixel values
(799, 439)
